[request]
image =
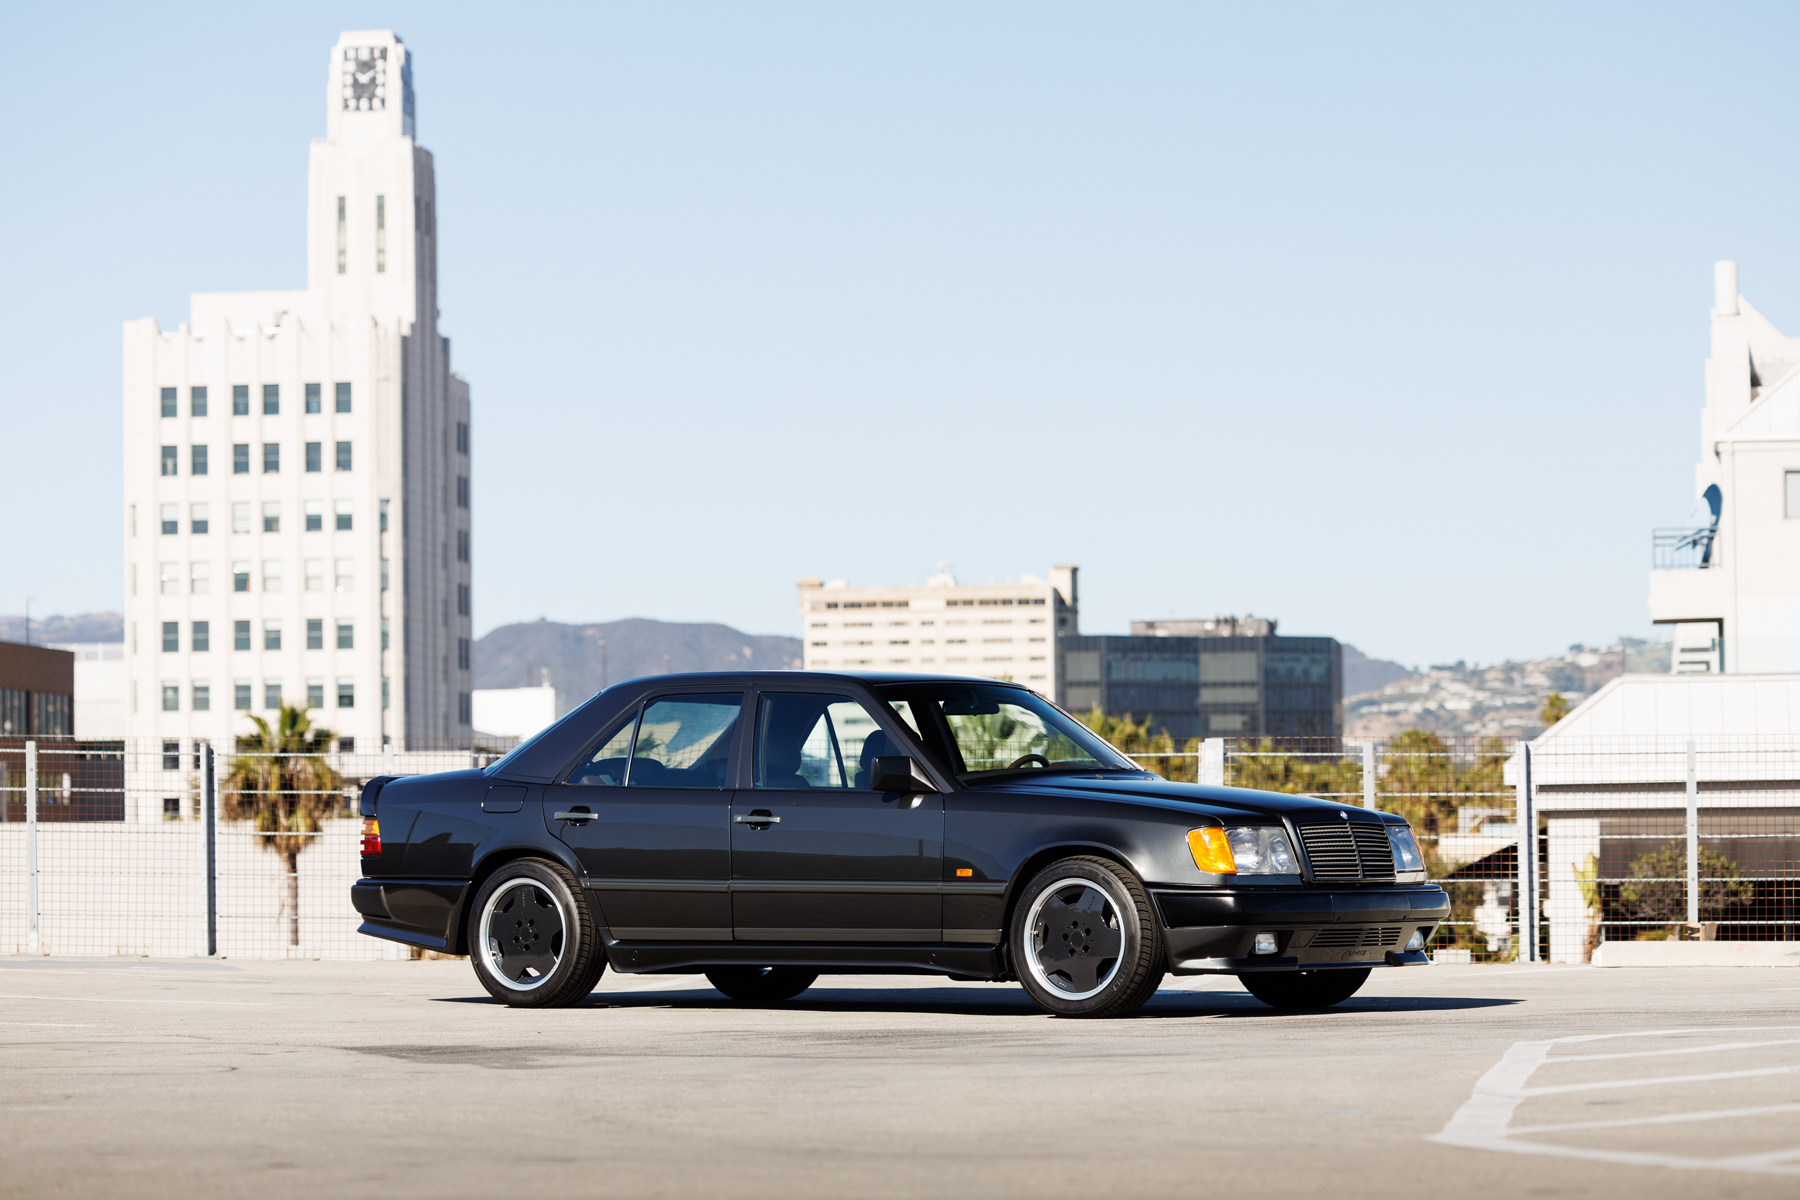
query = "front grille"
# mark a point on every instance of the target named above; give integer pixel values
(1348, 850)
(1370, 935)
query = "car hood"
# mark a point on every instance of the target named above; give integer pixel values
(1224, 801)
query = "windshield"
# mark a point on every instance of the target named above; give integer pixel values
(989, 729)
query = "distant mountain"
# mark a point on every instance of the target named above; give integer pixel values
(516, 655)
(1365, 674)
(86, 627)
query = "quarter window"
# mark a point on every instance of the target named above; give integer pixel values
(816, 741)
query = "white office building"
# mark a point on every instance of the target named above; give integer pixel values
(297, 463)
(1730, 586)
(992, 630)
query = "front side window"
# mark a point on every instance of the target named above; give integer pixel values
(988, 729)
(816, 741)
(605, 767)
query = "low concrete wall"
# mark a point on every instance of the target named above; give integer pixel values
(1698, 954)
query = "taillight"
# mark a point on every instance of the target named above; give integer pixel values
(371, 837)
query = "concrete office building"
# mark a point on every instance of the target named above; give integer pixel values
(297, 462)
(992, 630)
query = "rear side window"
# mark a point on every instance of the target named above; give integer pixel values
(685, 742)
(816, 741)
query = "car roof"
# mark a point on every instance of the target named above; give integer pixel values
(741, 678)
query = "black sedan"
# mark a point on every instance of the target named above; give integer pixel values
(764, 827)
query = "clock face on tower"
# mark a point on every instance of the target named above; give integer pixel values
(365, 78)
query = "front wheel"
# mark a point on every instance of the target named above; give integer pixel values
(533, 942)
(761, 985)
(1085, 941)
(1304, 989)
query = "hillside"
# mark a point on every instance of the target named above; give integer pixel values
(1365, 674)
(515, 655)
(83, 627)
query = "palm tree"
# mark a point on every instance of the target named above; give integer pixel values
(281, 783)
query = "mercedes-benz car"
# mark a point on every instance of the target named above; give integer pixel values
(764, 827)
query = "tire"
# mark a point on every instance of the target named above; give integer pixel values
(1085, 939)
(1304, 989)
(761, 985)
(534, 942)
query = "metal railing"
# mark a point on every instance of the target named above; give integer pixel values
(1684, 549)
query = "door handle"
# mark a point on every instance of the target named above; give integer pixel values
(755, 819)
(573, 816)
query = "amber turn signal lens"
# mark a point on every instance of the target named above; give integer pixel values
(1212, 851)
(371, 837)
(965, 872)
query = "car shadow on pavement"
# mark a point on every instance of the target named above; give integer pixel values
(997, 1002)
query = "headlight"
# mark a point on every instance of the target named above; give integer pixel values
(1262, 850)
(1409, 863)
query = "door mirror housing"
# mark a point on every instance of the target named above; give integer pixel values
(898, 773)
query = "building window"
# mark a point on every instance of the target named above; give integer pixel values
(346, 693)
(202, 636)
(462, 438)
(384, 506)
(240, 516)
(271, 399)
(346, 745)
(196, 460)
(463, 715)
(345, 575)
(240, 399)
(346, 635)
(315, 516)
(380, 235)
(384, 691)
(315, 693)
(271, 516)
(462, 654)
(197, 401)
(169, 464)
(462, 599)
(271, 458)
(272, 634)
(240, 695)
(171, 636)
(168, 578)
(170, 515)
(203, 697)
(345, 512)
(462, 491)
(271, 694)
(315, 633)
(171, 693)
(343, 397)
(315, 456)
(168, 402)
(198, 515)
(384, 574)
(312, 398)
(171, 754)
(462, 545)
(199, 578)
(272, 575)
(240, 458)
(343, 239)
(384, 633)
(315, 574)
(240, 577)
(343, 456)
(240, 640)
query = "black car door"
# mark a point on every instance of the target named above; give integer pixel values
(648, 814)
(816, 856)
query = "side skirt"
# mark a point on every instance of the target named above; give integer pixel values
(970, 962)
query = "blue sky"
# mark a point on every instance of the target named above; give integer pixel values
(1387, 321)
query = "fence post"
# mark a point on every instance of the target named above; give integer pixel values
(1693, 839)
(1211, 768)
(1368, 756)
(210, 815)
(1528, 858)
(34, 938)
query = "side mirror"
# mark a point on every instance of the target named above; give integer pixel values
(898, 773)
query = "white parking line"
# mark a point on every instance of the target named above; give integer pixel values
(122, 1000)
(1484, 1120)
(47, 1024)
(1717, 1114)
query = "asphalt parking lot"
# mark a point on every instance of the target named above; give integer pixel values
(127, 1077)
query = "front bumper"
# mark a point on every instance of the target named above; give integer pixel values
(1213, 932)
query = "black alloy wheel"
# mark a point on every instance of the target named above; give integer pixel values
(761, 985)
(534, 943)
(1085, 940)
(1304, 989)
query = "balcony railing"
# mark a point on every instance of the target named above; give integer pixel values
(1684, 549)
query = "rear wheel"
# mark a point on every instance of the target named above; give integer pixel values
(1085, 940)
(761, 985)
(1304, 989)
(534, 943)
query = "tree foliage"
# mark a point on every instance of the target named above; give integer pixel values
(1662, 894)
(281, 784)
(1555, 709)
